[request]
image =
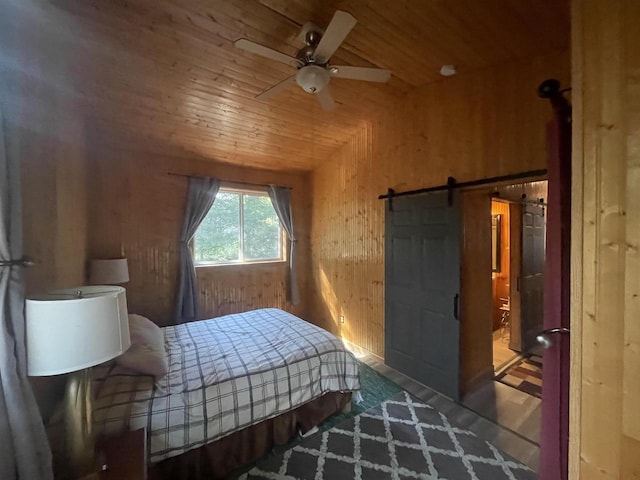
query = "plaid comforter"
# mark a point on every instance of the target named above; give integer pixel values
(224, 374)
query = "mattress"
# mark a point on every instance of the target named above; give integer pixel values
(225, 374)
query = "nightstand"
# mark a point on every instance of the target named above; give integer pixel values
(125, 456)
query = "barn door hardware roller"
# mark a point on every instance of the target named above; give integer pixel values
(451, 184)
(390, 193)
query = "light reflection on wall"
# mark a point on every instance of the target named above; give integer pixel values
(330, 300)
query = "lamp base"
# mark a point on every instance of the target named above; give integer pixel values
(80, 440)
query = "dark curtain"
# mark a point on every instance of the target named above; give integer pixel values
(281, 200)
(200, 197)
(24, 449)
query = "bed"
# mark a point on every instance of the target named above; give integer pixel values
(260, 374)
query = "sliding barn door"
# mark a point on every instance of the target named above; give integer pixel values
(422, 285)
(532, 274)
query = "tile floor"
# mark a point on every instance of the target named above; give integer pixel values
(508, 407)
(525, 375)
(502, 354)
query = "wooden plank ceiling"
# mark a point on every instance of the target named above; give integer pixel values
(165, 74)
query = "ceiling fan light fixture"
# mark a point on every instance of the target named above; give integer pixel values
(312, 78)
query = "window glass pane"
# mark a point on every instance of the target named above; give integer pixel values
(218, 236)
(261, 228)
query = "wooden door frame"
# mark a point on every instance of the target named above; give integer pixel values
(476, 361)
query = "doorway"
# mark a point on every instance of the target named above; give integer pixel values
(517, 274)
(441, 271)
(424, 310)
(510, 392)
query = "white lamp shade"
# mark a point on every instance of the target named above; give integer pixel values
(108, 271)
(66, 333)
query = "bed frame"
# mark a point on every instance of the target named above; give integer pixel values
(218, 459)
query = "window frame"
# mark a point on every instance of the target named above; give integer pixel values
(242, 190)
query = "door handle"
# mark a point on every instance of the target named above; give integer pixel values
(545, 337)
(456, 297)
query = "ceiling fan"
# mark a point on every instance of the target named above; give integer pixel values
(312, 61)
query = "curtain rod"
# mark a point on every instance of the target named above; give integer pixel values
(228, 181)
(451, 184)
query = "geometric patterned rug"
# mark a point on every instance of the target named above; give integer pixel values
(525, 375)
(375, 388)
(399, 439)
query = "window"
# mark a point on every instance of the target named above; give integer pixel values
(241, 227)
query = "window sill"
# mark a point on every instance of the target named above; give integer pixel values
(243, 264)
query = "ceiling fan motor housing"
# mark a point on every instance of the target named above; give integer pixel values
(312, 78)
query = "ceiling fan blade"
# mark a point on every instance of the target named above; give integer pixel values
(277, 88)
(267, 52)
(325, 99)
(361, 73)
(340, 26)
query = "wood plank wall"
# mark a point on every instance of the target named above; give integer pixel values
(53, 160)
(54, 215)
(54, 209)
(605, 384)
(136, 210)
(46, 130)
(470, 126)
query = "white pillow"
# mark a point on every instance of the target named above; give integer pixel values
(146, 354)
